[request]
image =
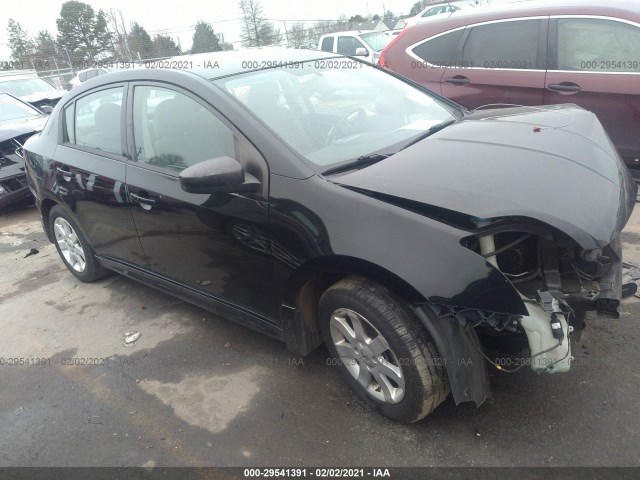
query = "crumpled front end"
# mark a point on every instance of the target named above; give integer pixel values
(13, 181)
(542, 195)
(558, 281)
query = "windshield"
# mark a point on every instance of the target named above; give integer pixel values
(12, 109)
(376, 40)
(25, 86)
(330, 114)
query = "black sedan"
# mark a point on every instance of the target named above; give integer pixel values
(18, 121)
(319, 199)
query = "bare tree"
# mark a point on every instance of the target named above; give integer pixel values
(257, 31)
(119, 35)
(297, 34)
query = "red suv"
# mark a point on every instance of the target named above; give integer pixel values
(534, 53)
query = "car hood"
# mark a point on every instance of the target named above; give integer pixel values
(553, 164)
(16, 128)
(40, 96)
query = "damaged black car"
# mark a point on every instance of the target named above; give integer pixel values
(18, 121)
(320, 199)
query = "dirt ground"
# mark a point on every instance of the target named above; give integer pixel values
(196, 390)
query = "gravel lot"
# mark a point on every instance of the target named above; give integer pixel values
(198, 390)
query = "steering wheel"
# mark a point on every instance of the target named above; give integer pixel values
(345, 125)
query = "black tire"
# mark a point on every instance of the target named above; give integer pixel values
(410, 348)
(92, 270)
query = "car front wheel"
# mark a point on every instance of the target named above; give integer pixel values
(382, 350)
(73, 247)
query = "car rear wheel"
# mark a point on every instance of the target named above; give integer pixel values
(73, 247)
(382, 351)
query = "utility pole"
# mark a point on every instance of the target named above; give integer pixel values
(69, 59)
(286, 33)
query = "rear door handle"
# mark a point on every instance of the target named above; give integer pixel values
(457, 80)
(564, 87)
(66, 174)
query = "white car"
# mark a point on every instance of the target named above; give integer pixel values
(431, 11)
(366, 43)
(86, 74)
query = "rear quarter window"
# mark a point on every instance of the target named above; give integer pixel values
(69, 128)
(441, 50)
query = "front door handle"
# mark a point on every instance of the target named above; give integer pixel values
(143, 201)
(565, 87)
(457, 80)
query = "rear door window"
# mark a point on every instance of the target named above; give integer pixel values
(98, 121)
(597, 45)
(509, 45)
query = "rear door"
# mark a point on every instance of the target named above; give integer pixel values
(500, 62)
(89, 172)
(217, 245)
(595, 63)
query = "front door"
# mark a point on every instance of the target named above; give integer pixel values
(216, 244)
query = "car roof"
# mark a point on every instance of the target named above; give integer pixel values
(553, 7)
(215, 65)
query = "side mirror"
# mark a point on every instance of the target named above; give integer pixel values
(361, 52)
(46, 109)
(218, 175)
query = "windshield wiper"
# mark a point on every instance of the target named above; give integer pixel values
(362, 161)
(430, 131)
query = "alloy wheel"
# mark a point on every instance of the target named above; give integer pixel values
(367, 356)
(69, 244)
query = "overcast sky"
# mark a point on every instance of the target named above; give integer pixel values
(176, 17)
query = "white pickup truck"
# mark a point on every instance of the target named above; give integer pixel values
(365, 43)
